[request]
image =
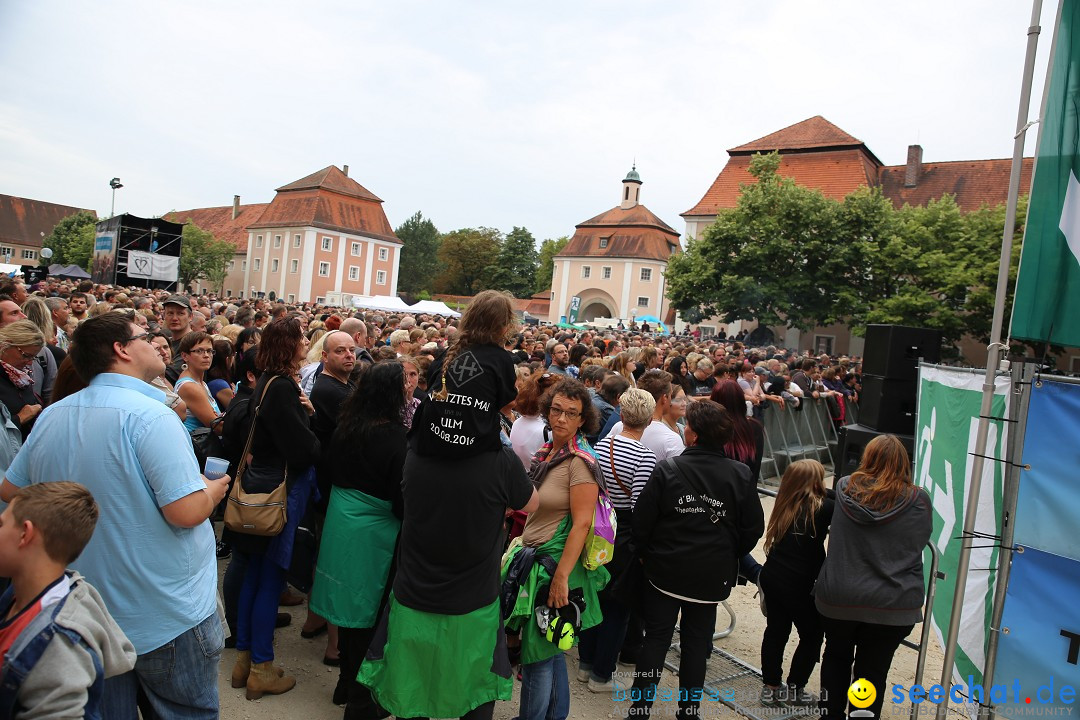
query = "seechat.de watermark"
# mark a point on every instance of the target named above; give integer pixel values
(1049, 699)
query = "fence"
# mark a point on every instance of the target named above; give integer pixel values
(799, 434)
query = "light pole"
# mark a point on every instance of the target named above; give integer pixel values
(115, 184)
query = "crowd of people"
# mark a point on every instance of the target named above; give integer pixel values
(446, 479)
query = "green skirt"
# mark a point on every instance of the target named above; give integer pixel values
(426, 665)
(355, 553)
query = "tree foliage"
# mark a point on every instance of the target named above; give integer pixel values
(203, 257)
(72, 240)
(419, 254)
(515, 267)
(467, 260)
(787, 255)
(548, 250)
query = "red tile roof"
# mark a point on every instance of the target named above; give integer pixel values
(22, 220)
(973, 182)
(815, 132)
(835, 172)
(219, 222)
(330, 200)
(634, 232)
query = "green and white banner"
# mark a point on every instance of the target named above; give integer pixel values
(1048, 285)
(948, 419)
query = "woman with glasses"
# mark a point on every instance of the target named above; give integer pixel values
(567, 475)
(20, 342)
(197, 350)
(172, 399)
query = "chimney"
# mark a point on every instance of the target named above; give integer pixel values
(914, 166)
(345, 169)
(235, 206)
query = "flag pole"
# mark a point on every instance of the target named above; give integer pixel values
(993, 359)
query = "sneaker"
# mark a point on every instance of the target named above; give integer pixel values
(770, 695)
(799, 697)
(224, 550)
(584, 670)
(602, 687)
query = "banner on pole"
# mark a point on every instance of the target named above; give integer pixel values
(1048, 284)
(948, 419)
(151, 266)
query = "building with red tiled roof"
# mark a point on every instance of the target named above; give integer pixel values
(322, 234)
(615, 262)
(817, 154)
(25, 223)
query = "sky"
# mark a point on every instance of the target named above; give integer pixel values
(496, 114)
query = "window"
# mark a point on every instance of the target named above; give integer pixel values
(823, 344)
(294, 265)
(232, 264)
(228, 293)
(296, 240)
(646, 274)
(586, 272)
(603, 242)
(292, 298)
(707, 330)
(274, 265)
(29, 254)
(355, 249)
(319, 300)
(354, 272)
(258, 241)
(324, 269)
(243, 265)
(380, 277)
(258, 264)
(327, 243)
(606, 273)
(1074, 364)
(642, 301)
(277, 241)
(383, 253)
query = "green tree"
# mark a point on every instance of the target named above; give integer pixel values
(780, 256)
(515, 267)
(548, 250)
(467, 258)
(203, 257)
(419, 254)
(72, 240)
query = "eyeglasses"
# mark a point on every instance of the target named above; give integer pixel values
(201, 351)
(26, 355)
(570, 415)
(141, 336)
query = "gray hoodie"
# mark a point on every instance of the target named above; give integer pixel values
(58, 684)
(873, 572)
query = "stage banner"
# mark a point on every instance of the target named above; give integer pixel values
(1048, 283)
(1037, 665)
(948, 419)
(1049, 482)
(151, 266)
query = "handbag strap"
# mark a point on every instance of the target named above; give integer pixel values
(611, 459)
(242, 465)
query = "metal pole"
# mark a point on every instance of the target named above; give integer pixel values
(1019, 401)
(112, 208)
(993, 358)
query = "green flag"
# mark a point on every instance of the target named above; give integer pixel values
(1048, 286)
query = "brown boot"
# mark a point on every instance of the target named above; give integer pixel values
(264, 679)
(241, 669)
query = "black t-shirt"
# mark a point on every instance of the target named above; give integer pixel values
(702, 388)
(327, 396)
(452, 536)
(480, 382)
(371, 463)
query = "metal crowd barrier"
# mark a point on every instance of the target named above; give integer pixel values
(794, 434)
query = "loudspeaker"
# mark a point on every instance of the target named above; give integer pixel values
(887, 404)
(853, 440)
(893, 351)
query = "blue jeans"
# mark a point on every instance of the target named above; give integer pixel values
(256, 610)
(545, 690)
(180, 678)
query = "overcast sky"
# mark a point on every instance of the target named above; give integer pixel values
(484, 113)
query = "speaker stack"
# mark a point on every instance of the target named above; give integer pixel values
(887, 403)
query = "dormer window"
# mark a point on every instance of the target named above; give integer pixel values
(603, 242)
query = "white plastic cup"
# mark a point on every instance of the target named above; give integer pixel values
(216, 467)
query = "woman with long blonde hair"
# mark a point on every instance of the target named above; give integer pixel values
(795, 546)
(870, 590)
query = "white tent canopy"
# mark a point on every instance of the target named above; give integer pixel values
(433, 307)
(388, 303)
(7, 268)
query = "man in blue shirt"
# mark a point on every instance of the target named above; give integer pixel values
(152, 554)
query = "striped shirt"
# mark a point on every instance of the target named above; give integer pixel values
(634, 464)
